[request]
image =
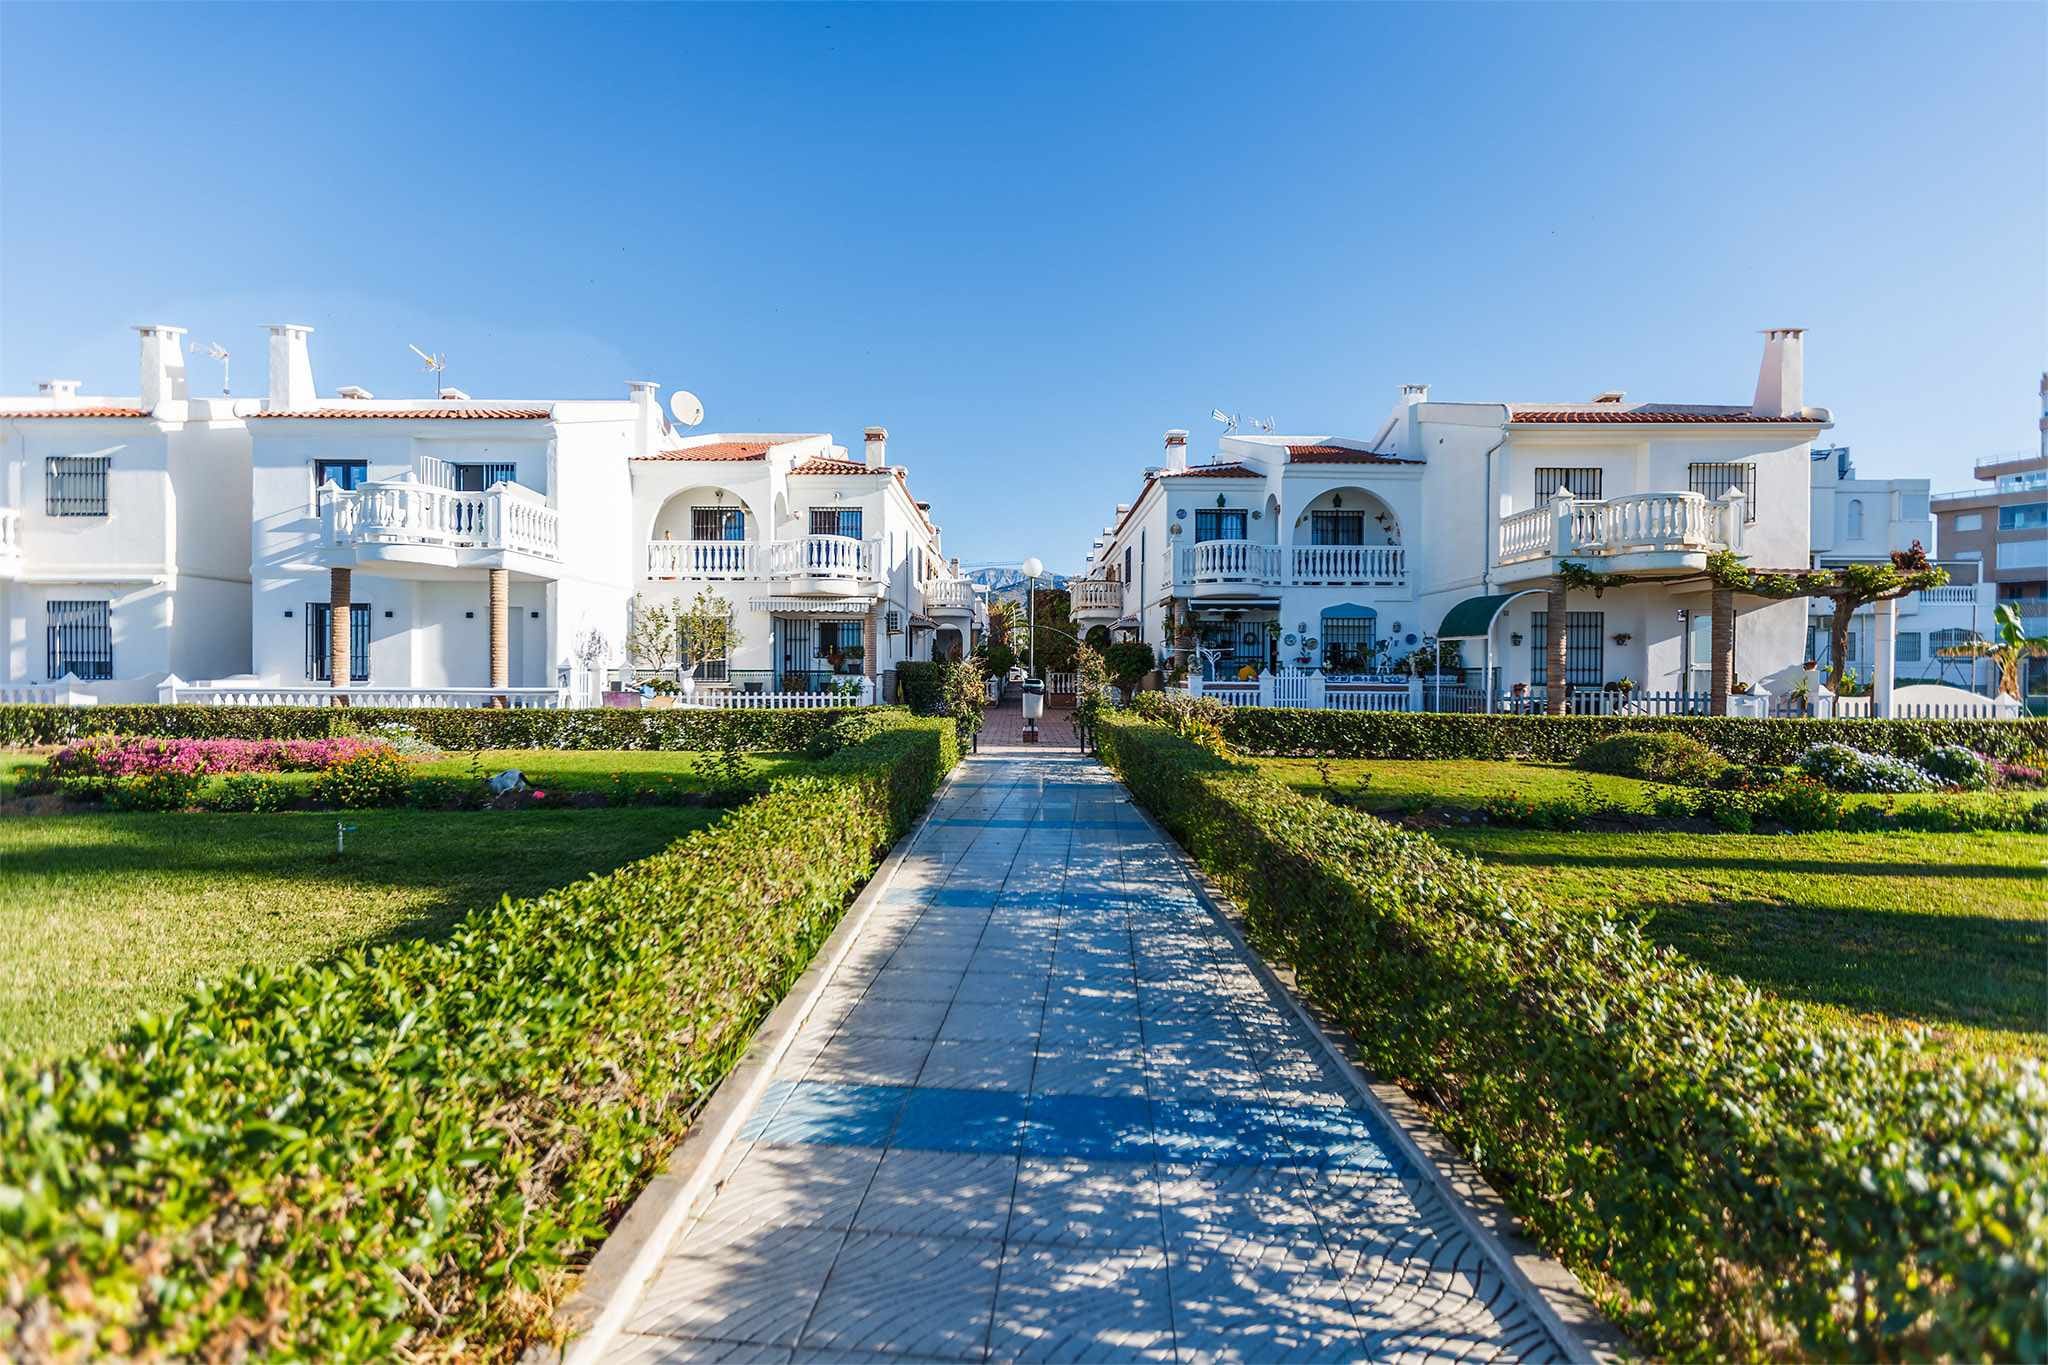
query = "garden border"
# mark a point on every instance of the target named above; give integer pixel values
(595, 1314)
(1562, 1305)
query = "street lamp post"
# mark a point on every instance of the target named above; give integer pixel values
(1032, 568)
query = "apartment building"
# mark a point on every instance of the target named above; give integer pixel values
(1450, 522)
(123, 555)
(443, 549)
(2002, 526)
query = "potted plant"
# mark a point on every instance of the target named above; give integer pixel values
(1625, 686)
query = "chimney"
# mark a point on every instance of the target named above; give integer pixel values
(878, 446)
(291, 368)
(163, 366)
(1176, 451)
(62, 390)
(1411, 394)
(646, 415)
(1781, 383)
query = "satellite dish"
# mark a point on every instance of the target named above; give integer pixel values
(685, 407)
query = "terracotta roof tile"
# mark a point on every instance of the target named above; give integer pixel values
(1214, 471)
(27, 413)
(1340, 455)
(720, 450)
(474, 414)
(1659, 413)
(821, 464)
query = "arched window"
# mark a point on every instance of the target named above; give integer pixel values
(1855, 518)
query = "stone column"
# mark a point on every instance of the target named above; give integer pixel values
(1721, 643)
(339, 665)
(501, 670)
(1556, 685)
(870, 659)
(1884, 626)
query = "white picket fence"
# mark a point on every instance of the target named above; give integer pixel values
(779, 701)
(518, 698)
(1984, 708)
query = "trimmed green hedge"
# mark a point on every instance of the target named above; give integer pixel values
(1275, 732)
(1742, 1178)
(412, 1146)
(447, 727)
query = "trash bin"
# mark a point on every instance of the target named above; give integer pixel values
(1033, 690)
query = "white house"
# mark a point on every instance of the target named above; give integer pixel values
(1859, 521)
(122, 549)
(1451, 521)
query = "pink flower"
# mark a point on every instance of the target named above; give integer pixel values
(539, 795)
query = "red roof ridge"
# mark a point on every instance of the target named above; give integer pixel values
(478, 413)
(101, 411)
(1211, 471)
(715, 450)
(1324, 453)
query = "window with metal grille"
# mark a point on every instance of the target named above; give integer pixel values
(75, 485)
(343, 474)
(836, 521)
(1712, 480)
(717, 523)
(1336, 528)
(1219, 523)
(1909, 647)
(1578, 481)
(475, 478)
(1347, 643)
(80, 639)
(318, 614)
(1585, 646)
(835, 638)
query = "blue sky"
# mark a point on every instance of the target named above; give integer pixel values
(1030, 239)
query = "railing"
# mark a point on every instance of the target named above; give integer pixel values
(949, 594)
(701, 558)
(727, 699)
(46, 694)
(1983, 708)
(1343, 565)
(1609, 526)
(519, 698)
(1953, 594)
(823, 557)
(1230, 561)
(506, 516)
(1095, 594)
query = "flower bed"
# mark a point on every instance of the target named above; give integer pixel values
(1734, 1178)
(403, 1152)
(133, 756)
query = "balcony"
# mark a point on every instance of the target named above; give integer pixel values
(392, 524)
(1095, 601)
(706, 559)
(10, 542)
(949, 595)
(1348, 566)
(1231, 569)
(1643, 531)
(834, 566)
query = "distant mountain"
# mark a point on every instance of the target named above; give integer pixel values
(1006, 584)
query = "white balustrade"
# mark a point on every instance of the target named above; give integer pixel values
(1526, 535)
(46, 694)
(1340, 565)
(701, 558)
(949, 594)
(10, 533)
(1230, 561)
(1095, 595)
(519, 698)
(824, 557)
(506, 516)
(1610, 526)
(1950, 595)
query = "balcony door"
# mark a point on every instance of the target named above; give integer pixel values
(1336, 528)
(1220, 523)
(836, 521)
(717, 523)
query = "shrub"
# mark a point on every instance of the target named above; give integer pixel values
(1955, 766)
(1755, 1179)
(1128, 661)
(920, 686)
(1800, 804)
(376, 777)
(456, 729)
(403, 1151)
(1851, 770)
(248, 792)
(123, 756)
(1744, 777)
(164, 789)
(1659, 756)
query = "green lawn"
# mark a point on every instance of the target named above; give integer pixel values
(1945, 931)
(102, 916)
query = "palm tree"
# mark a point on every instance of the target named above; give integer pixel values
(2010, 645)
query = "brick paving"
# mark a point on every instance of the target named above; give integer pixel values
(1045, 1110)
(1003, 727)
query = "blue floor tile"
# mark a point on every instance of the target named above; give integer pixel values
(936, 1120)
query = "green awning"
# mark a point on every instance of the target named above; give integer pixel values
(1473, 618)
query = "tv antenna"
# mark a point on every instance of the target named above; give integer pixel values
(213, 350)
(435, 364)
(1229, 420)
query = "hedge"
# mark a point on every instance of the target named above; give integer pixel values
(1276, 732)
(448, 727)
(1736, 1177)
(405, 1150)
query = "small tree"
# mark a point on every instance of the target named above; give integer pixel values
(2009, 645)
(964, 689)
(651, 635)
(1091, 687)
(705, 630)
(1127, 663)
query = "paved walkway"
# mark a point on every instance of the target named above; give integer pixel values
(1046, 1111)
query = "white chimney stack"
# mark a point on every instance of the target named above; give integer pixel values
(1781, 383)
(291, 368)
(1176, 451)
(647, 419)
(877, 446)
(1411, 394)
(163, 366)
(62, 390)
